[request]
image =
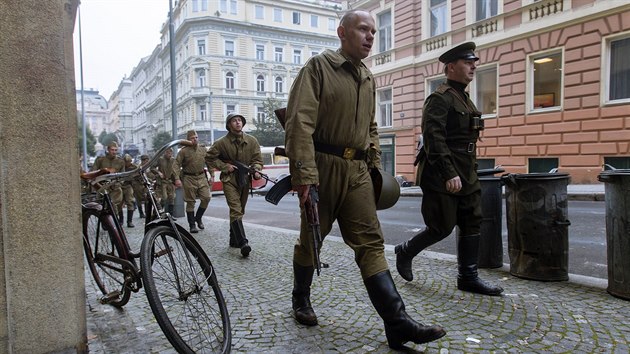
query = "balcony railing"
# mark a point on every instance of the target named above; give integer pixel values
(484, 28)
(436, 43)
(383, 58)
(543, 9)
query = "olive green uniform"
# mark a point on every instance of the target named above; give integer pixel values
(233, 147)
(450, 136)
(332, 103)
(115, 191)
(128, 189)
(188, 167)
(167, 189)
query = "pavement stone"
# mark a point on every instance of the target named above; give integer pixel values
(532, 316)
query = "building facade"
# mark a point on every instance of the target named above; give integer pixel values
(96, 110)
(553, 80)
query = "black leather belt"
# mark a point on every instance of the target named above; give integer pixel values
(343, 152)
(193, 174)
(468, 148)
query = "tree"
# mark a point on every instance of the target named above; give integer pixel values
(108, 138)
(268, 130)
(91, 140)
(101, 136)
(161, 139)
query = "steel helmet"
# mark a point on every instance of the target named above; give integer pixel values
(386, 189)
(232, 115)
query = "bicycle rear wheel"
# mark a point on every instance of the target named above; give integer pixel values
(97, 244)
(185, 296)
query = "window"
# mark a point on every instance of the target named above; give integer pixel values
(229, 80)
(314, 52)
(541, 165)
(277, 15)
(279, 52)
(438, 17)
(223, 6)
(201, 46)
(384, 31)
(201, 77)
(384, 118)
(260, 114)
(260, 12)
(202, 112)
(485, 9)
(195, 5)
(433, 84)
(204, 5)
(297, 56)
(229, 108)
(233, 7)
(260, 52)
(296, 18)
(332, 24)
(260, 83)
(314, 21)
(618, 162)
(619, 70)
(485, 164)
(229, 48)
(279, 84)
(485, 89)
(546, 74)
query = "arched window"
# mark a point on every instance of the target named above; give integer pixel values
(260, 83)
(229, 80)
(279, 82)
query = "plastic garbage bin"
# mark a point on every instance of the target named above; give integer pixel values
(491, 238)
(538, 240)
(617, 197)
(179, 207)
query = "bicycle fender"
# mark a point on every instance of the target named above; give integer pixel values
(180, 229)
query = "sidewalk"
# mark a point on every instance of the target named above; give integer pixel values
(577, 316)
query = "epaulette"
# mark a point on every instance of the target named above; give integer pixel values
(443, 88)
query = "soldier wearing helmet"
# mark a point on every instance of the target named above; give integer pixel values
(447, 172)
(244, 148)
(188, 171)
(112, 161)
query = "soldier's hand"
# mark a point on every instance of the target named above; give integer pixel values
(231, 168)
(302, 191)
(454, 185)
(257, 175)
(178, 183)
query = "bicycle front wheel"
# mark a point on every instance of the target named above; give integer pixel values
(100, 246)
(184, 294)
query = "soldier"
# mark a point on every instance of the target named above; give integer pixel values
(190, 161)
(244, 148)
(166, 180)
(111, 160)
(128, 193)
(139, 190)
(447, 172)
(332, 143)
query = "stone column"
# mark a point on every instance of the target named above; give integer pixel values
(42, 291)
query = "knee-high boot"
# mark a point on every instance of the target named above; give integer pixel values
(399, 327)
(121, 218)
(171, 209)
(130, 218)
(140, 210)
(233, 242)
(468, 278)
(407, 250)
(239, 236)
(301, 295)
(199, 216)
(190, 215)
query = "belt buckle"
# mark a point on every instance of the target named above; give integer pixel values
(471, 147)
(348, 153)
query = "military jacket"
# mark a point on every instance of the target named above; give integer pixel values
(190, 161)
(331, 102)
(232, 147)
(165, 166)
(450, 133)
(116, 163)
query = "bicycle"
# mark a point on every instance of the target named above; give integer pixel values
(179, 280)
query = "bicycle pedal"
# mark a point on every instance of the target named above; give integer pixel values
(114, 295)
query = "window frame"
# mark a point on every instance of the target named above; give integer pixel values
(315, 18)
(262, 12)
(297, 56)
(278, 56)
(475, 85)
(607, 65)
(385, 32)
(427, 84)
(201, 47)
(261, 81)
(201, 77)
(476, 10)
(202, 111)
(277, 15)
(530, 84)
(428, 22)
(227, 52)
(230, 80)
(257, 47)
(388, 121)
(279, 84)
(296, 18)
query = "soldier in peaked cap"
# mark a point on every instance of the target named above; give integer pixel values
(190, 165)
(447, 172)
(111, 160)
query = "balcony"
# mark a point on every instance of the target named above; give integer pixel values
(545, 8)
(383, 58)
(199, 92)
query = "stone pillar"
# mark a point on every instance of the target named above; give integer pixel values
(42, 291)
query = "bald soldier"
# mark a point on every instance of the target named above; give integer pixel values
(111, 160)
(188, 171)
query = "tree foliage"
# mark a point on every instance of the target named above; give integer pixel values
(90, 139)
(161, 139)
(107, 138)
(268, 130)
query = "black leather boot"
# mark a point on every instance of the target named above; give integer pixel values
(190, 215)
(301, 299)
(407, 250)
(130, 218)
(468, 279)
(399, 327)
(199, 216)
(140, 211)
(239, 236)
(121, 219)
(232, 238)
(171, 210)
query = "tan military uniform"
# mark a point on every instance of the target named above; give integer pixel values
(188, 167)
(167, 189)
(232, 147)
(118, 165)
(128, 189)
(332, 102)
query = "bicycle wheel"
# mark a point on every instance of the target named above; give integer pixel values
(108, 275)
(185, 296)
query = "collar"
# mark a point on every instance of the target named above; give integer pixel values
(338, 59)
(457, 85)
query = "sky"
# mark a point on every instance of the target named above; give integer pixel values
(115, 35)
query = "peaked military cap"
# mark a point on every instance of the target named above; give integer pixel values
(144, 157)
(462, 51)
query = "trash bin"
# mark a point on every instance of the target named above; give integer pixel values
(179, 207)
(491, 238)
(538, 239)
(617, 197)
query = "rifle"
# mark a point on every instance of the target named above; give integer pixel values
(311, 210)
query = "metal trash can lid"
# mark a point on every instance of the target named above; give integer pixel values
(606, 176)
(539, 176)
(489, 171)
